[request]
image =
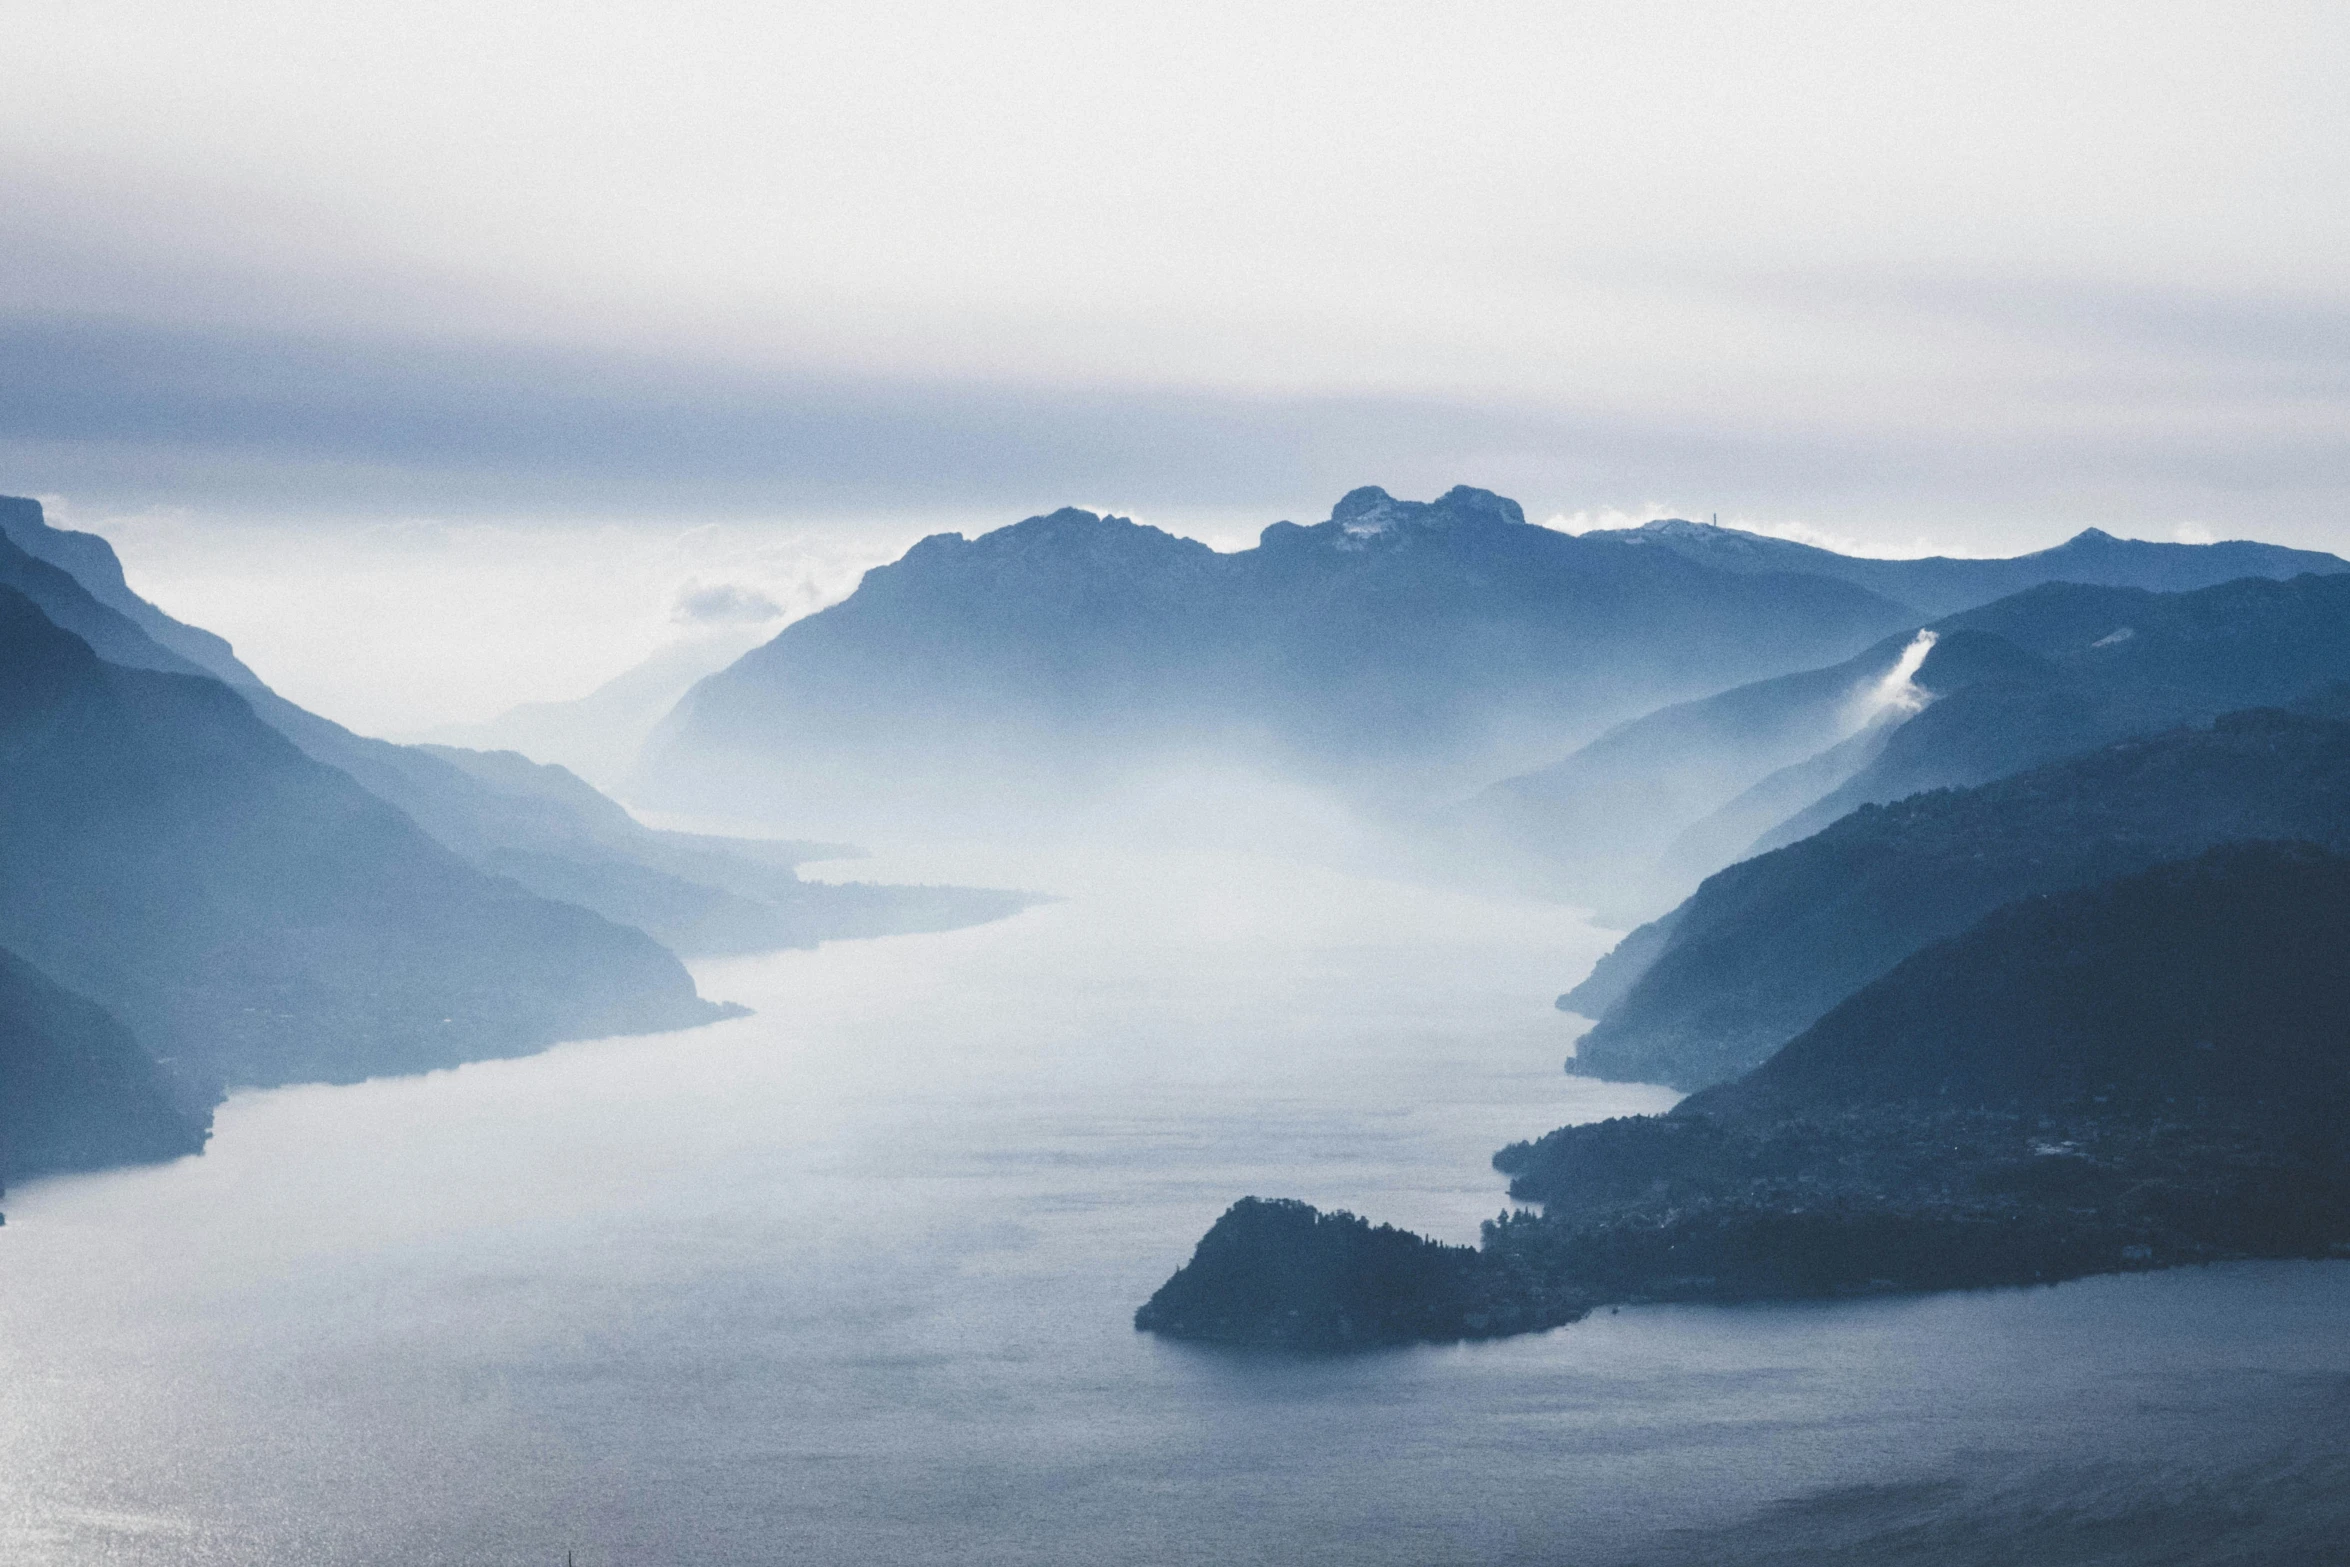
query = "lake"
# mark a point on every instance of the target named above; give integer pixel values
(851, 1281)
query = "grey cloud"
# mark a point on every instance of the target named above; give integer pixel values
(121, 413)
(722, 603)
(2197, 329)
(302, 417)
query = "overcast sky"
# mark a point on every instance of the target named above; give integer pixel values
(1965, 277)
(1992, 270)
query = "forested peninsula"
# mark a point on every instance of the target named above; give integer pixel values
(2140, 1074)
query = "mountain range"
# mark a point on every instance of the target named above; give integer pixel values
(205, 886)
(1938, 808)
(537, 824)
(1398, 651)
(1767, 946)
(2040, 967)
(1630, 823)
(256, 917)
(2072, 667)
(1938, 585)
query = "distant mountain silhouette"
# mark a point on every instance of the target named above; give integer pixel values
(555, 834)
(1939, 585)
(91, 562)
(254, 911)
(77, 1092)
(598, 735)
(540, 826)
(255, 917)
(1633, 821)
(699, 894)
(1766, 947)
(2088, 665)
(1600, 824)
(1400, 649)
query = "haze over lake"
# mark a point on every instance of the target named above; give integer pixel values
(834, 785)
(850, 1279)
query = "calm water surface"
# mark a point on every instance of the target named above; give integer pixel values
(850, 1281)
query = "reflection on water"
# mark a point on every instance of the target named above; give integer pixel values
(849, 1281)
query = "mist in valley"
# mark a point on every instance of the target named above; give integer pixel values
(844, 1264)
(1335, 787)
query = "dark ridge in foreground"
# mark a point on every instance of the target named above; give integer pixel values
(2141, 1074)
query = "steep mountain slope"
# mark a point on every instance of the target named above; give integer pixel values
(91, 561)
(2197, 1001)
(1399, 648)
(66, 602)
(1938, 585)
(76, 1090)
(698, 894)
(2108, 662)
(1728, 835)
(258, 918)
(2220, 983)
(1637, 819)
(551, 831)
(597, 736)
(542, 827)
(1600, 825)
(1764, 948)
(2150, 1071)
